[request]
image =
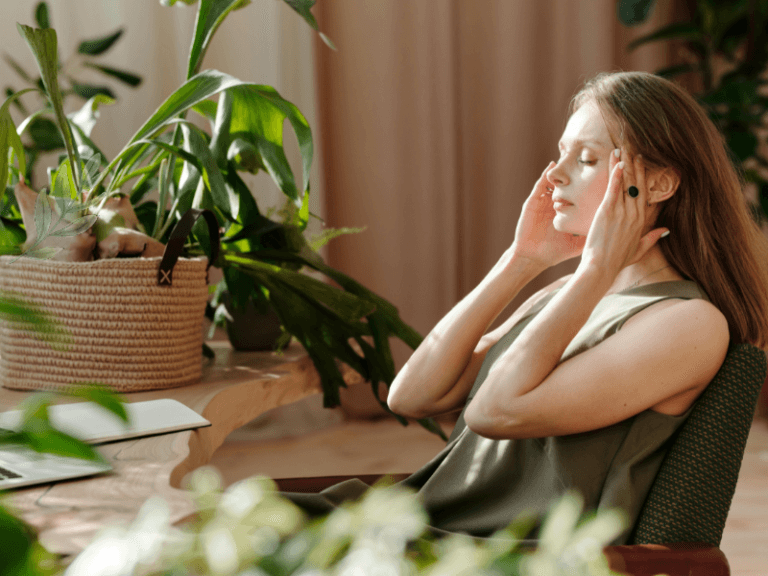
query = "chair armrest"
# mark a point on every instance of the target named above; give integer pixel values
(680, 559)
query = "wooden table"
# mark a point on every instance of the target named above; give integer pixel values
(236, 387)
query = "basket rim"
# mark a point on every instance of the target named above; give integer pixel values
(107, 262)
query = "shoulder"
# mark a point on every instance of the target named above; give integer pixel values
(695, 329)
(694, 314)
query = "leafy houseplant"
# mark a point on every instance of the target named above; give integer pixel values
(99, 208)
(44, 136)
(726, 52)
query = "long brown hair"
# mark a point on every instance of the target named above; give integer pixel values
(714, 239)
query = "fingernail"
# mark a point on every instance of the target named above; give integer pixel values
(665, 234)
(617, 153)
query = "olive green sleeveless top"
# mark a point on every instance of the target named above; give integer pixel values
(476, 485)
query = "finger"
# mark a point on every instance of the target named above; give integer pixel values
(542, 184)
(639, 171)
(615, 190)
(630, 203)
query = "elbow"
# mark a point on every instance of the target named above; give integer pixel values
(398, 408)
(479, 421)
(491, 424)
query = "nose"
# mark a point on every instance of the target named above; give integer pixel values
(556, 175)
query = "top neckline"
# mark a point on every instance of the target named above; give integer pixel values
(632, 288)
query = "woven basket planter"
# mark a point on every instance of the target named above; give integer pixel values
(129, 331)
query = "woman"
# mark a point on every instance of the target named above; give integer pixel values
(583, 385)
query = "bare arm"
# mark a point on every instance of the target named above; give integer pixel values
(441, 371)
(529, 394)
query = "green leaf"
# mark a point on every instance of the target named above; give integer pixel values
(63, 184)
(347, 306)
(45, 134)
(88, 91)
(99, 45)
(302, 8)
(32, 317)
(207, 109)
(9, 141)
(77, 227)
(101, 395)
(122, 75)
(210, 15)
(43, 217)
(86, 117)
(220, 133)
(180, 152)
(677, 30)
(330, 233)
(226, 201)
(258, 113)
(245, 156)
(17, 538)
(18, 69)
(162, 198)
(41, 15)
(195, 90)
(634, 12)
(11, 237)
(44, 46)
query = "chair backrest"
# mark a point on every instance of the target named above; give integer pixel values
(692, 493)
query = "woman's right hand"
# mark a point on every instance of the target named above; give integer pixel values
(536, 238)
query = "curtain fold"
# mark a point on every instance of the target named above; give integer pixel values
(436, 119)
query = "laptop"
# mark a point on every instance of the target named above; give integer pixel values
(21, 466)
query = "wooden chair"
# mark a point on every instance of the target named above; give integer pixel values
(681, 524)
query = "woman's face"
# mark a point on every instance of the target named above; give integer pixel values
(580, 177)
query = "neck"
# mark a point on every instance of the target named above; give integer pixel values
(651, 268)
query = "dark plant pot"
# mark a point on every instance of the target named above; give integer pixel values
(252, 330)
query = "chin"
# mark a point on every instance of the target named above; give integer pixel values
(561, 224)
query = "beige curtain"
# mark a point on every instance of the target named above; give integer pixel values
(436, 119)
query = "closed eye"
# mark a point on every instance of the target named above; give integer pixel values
(588, 162)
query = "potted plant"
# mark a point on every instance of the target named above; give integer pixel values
(99, 209)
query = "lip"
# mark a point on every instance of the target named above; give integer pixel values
(559, 203)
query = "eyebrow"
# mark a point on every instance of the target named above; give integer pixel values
(579, 141)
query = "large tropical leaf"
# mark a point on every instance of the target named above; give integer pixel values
(263, 112)
(302, 8)
(257, 117)
(223, 197)
(210, 15)
(44, 46)
(9, 140)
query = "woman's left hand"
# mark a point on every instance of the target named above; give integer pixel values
(615, 239)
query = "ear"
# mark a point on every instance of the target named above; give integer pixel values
(662, 184)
